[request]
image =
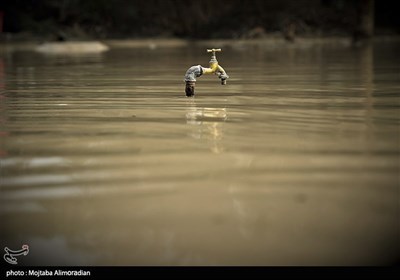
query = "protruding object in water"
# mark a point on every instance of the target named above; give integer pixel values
(196, 71)
(189, 88)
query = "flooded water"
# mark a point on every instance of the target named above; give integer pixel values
(104, 161)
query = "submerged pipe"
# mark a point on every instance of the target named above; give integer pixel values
(196, 71)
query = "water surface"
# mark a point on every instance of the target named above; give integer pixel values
(104, 161)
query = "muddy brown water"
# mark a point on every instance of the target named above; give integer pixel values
(104, 161)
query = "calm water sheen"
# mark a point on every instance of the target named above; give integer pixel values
(104, 161)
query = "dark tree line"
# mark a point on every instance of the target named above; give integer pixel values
(198, 19)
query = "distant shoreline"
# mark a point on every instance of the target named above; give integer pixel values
(154, 43)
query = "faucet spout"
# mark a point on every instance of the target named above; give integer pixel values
(222, 75)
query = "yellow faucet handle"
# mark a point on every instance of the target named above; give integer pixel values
(214, 50)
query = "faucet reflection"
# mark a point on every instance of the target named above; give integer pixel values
(207, 123)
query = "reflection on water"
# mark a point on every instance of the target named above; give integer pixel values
(207, 124)
(104, 161)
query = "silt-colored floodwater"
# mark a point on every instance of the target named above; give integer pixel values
(105, 161)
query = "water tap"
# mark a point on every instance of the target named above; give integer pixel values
(196, 71)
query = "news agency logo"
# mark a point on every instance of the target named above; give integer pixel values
(10, 255)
